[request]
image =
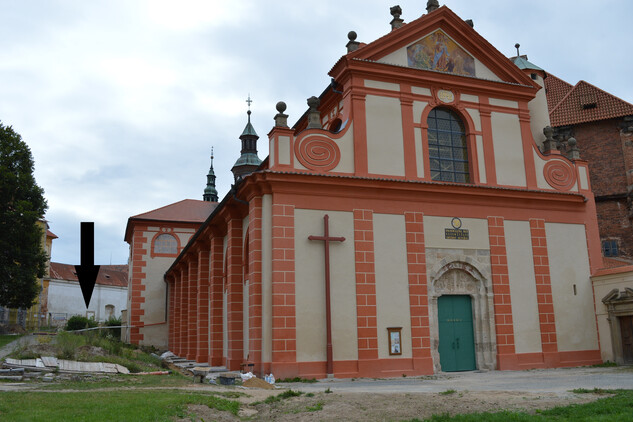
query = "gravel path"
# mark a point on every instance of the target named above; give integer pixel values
(16, 344)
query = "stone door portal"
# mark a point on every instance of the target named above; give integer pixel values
(457, 341)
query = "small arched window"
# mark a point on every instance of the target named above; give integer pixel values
(448, 151)
(165, 244)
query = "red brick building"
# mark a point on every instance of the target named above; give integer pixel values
(602, 126)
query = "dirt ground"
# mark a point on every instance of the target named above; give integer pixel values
(381, 407)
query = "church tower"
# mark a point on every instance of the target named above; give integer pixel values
(210, 193)
(248, 161)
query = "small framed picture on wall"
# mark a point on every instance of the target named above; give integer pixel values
(395, 340)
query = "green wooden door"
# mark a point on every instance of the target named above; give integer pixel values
(457, 340)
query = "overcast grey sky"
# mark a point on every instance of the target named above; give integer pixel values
(121, 101)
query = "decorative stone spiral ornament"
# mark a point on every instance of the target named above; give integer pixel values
(559, 175)
(317, 153)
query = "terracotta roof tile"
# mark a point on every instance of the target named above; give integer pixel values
(50, 234)
(556, 89)
(109, 275)
(188, 210)
(615, 262)
(587, 103)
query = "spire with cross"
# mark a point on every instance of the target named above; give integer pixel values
(248, 161)
(210, 192)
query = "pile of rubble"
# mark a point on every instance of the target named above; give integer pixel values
(204, 373)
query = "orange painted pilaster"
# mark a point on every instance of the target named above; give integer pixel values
(489, 149)
(360, 135)
(179, 312)
(418, 294)
(137, 287)
(235, 295)
(504, 327)
(255, 280)
(170, 314)
(528, 145)
(192, 305)
(545, 302)
(408, 135)
(216, 357)
(366, 319)
(184, 312)
(202, 349)
(284, 341)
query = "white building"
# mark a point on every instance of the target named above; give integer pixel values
(65, 298)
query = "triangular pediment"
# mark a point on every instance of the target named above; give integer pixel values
(442, 42)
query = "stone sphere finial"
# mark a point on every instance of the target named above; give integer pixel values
(313, 102)
(548, 132)
(351, 35)
(396, 11)
(281, 107)
(572, 142)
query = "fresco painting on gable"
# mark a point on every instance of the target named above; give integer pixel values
(438, 52)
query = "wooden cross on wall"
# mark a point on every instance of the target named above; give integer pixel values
(326, 238)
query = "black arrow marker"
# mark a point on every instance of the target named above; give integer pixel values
(87, 270)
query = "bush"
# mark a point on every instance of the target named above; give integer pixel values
(78, 322)
(68, 343)
(114, 332)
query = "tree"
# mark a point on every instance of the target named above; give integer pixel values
(22, 204)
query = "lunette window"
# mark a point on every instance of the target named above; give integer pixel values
(165, 244)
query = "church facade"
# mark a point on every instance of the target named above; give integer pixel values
(407, 224)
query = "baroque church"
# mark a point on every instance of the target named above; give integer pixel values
(416, 219)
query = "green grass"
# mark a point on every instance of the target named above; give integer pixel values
(448, 392)
(607, 364)
(318, 406)
(8, 338)
(618, 408)
(285, 395)
(130, 405)
(68, 347)
(298, 379)
(118, 381)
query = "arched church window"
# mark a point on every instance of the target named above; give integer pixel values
(448, 151)
(165, 244)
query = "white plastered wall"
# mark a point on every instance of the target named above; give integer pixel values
(569, 267)
(65, 297)
(434, 234)
(508, 145)
(385, 149)
(346, 146)
(155, 292)
(382, 85)
(392, 284)
(602, 286)
(284, 150)
(525, 314)
(539, 116)
(310, 287)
